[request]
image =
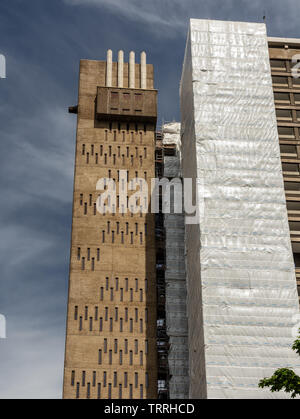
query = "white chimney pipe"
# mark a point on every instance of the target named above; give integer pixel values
(109, 68)
(143, 71)
(131, 70)
(120, 68)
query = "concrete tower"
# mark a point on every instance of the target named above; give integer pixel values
(111, 324)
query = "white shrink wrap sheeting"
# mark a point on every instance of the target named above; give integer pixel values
(242, 302)
(175, 281)
(171, 134)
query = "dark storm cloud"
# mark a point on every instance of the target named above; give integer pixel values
(43, 42)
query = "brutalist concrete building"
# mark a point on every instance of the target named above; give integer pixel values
(162, 306)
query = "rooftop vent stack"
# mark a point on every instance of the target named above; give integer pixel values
(131, 70)
(143, 71)
(120, 68)
(109, 68)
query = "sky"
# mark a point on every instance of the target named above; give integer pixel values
(43, 42)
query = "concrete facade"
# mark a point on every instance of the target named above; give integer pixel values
(111, 324)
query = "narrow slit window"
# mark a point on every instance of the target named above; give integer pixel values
(146, 380)
(76, 313)
(72, 378)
